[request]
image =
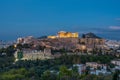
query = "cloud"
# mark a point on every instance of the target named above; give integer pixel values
(114, 27)
(118, 19)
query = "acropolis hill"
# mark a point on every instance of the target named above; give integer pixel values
(66, 40)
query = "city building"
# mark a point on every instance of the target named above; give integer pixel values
(112, 44)
(98, 72)
(92, 64)
(95, 65)
(25, 40)
(20, 40)
(4, 44)
(81, 68)
(116, 62)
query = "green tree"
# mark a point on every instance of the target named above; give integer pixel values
(116, 75)
(20, 55)
(47, 75)
(64, 73)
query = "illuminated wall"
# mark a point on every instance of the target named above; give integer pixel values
(52, 37)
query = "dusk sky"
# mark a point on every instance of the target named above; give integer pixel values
(20, 18)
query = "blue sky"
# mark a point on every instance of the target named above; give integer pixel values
(46, 17)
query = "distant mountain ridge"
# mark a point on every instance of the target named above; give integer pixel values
(90, 35)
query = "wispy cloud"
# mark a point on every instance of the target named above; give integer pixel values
(118, 19)
(114, 27)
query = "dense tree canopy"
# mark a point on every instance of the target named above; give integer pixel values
(41, 69)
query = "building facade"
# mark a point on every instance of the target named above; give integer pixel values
(81, 68)
(116, 62)
(32, 54)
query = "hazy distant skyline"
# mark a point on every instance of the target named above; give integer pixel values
(20, 18)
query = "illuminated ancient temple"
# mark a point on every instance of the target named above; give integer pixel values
(63, 34)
